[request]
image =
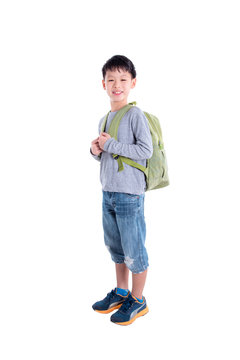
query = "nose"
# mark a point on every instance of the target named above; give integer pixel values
(117, 84)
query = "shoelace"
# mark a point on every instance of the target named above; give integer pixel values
(111, 294)
(127, 304)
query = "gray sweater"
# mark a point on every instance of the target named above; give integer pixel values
(134, 142)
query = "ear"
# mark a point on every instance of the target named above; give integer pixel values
(104, 85)
(133, 83)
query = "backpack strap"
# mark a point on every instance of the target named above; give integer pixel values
(113, 128)
(113, 131)
(104, 122)
(131, 163)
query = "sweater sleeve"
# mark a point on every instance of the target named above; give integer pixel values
(142, 149)
(97, 157)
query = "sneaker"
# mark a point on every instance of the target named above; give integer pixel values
(111, 302)
(130, 310)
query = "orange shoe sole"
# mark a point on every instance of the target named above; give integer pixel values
(141, 313)
(109, 310)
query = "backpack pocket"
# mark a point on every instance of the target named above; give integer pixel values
(157, 169)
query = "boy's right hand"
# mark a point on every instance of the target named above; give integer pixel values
(95, 148)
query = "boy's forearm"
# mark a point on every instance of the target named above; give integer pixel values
(133, 151)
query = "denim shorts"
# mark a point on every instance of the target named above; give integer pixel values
(125, 229)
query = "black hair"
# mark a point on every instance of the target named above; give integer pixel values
(119, 62)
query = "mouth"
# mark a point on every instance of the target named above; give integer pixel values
(117, 92)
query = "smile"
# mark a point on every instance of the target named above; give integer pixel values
(117, 92)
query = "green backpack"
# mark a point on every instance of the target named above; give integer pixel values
(156, 170)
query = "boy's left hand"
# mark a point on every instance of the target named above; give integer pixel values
(103, 138)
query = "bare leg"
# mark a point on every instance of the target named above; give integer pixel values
(122, 273)
(138, 282)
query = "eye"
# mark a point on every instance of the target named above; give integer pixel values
(124, 80)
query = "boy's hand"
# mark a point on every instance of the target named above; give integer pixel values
(103, 138)
(95, 148)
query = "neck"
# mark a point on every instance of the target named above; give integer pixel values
(115, 106)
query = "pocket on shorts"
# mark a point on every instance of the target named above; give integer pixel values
(132, 196)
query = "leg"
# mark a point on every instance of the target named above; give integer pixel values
(112, 236)
(122, 273)
(132, 228)
(138, 282)
(131, 308)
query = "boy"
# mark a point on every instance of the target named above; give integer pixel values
(123, 194)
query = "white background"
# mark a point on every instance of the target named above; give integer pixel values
(53, 263)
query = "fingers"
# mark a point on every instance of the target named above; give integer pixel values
(102, 134)
(95, 141)
(99, 142)
(105, 135)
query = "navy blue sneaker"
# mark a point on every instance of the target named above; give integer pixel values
(130, 310)
(111, 302)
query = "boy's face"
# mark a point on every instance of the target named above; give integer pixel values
(118, 84)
